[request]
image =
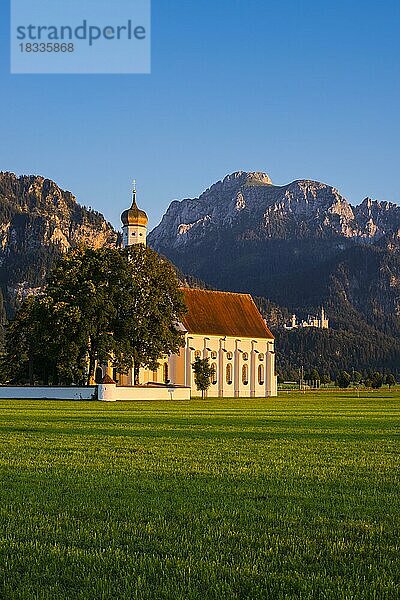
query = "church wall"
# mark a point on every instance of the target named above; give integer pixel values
(245, 368)
(158, 376)
(177, 367)
(237, 362)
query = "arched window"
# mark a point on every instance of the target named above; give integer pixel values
(229, 355)
(197, 354)
(229, 374)
(261, 356)
(261, 374)
(245, 356)
(165, 368)
(213, 355)
(214, 375)
(245, 374)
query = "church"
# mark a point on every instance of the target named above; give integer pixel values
(225, 327)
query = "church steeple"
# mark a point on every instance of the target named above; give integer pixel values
(134, 223)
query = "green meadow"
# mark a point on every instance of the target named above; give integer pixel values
(294, 497)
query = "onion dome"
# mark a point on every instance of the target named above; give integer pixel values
(134, 216)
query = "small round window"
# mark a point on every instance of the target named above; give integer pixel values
(229, 356)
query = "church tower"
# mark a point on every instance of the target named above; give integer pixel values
(134, 224)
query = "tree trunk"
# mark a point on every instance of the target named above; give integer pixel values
(31, 375)
(92, 363)
(135, 375)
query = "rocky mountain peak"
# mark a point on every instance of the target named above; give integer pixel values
(32, 193)
(237, 180)
(245, 178)
(250, 204)
(376, 218)
(38, 222)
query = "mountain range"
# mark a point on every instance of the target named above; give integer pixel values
(299, 245)
(294, 247)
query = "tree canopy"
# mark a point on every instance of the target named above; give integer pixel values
(390, 380)
(98, 305)
(375, 380)
(203, 372)
(343, 379)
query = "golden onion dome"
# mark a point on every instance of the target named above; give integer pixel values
(134, 216)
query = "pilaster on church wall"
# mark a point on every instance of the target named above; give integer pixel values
(237, 368)
(271, 377)
(253, 362)
(211, 351)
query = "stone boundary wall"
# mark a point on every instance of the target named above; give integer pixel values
(47, 392)
(105, 392)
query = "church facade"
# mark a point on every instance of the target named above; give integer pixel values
(224, 327)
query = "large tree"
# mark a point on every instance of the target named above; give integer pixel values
(43, 343)
(98, 305)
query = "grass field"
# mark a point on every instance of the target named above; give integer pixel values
(295, 497)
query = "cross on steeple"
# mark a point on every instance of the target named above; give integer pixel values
(134, 191)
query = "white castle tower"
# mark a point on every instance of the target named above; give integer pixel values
(324, 320)
(134, 224)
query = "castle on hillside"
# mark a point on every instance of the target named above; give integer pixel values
(320, 322)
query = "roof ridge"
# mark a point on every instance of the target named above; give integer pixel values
(216, 291)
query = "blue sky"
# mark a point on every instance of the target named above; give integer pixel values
(297, 89)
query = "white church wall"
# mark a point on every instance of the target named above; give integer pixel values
(237, 365)
(113, 393)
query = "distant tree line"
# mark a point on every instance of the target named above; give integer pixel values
(331, 352)
(343, 379)
(373, 380)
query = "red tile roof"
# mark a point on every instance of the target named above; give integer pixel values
(223, 313)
